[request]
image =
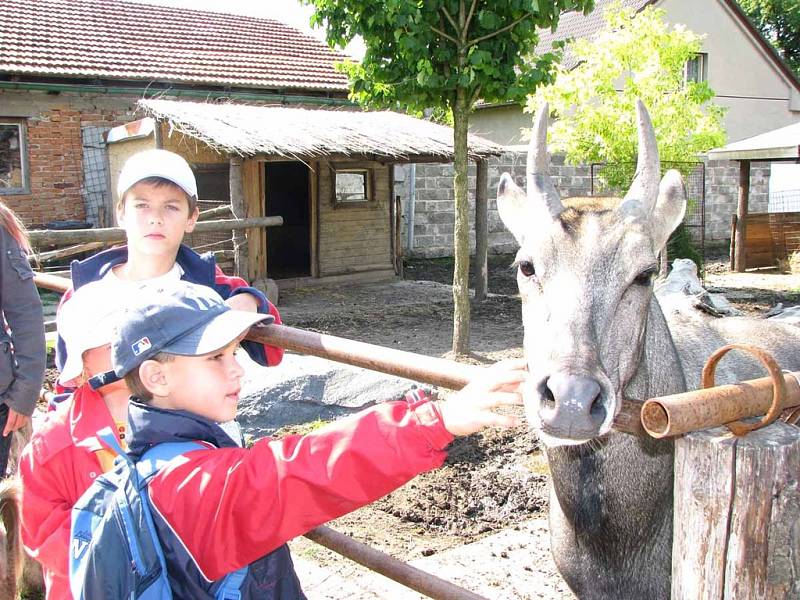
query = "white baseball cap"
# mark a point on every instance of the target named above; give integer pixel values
(157, 163)
(86, 320)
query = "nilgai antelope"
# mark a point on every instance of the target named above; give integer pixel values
(595, 333)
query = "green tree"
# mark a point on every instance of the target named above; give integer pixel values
(779, 22)
(445, 54)
(637, 55)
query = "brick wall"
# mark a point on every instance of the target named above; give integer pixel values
(55, 149)
(434, 206)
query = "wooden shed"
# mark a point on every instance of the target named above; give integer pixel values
(328, 173)
(760, 239)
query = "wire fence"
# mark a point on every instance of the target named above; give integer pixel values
(784, 201)
(694, 178)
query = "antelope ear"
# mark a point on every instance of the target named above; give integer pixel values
(512, 205)
(669, 208)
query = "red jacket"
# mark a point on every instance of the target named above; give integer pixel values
(219, 509)
(56, 467)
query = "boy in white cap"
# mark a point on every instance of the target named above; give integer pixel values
(64, 455)
(224, 507)
(157, 206)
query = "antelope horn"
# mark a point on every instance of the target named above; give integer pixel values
(539, 183)
(644, 188)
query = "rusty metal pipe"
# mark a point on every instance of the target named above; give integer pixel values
(427, 369)
(382, 563)
(700, 409)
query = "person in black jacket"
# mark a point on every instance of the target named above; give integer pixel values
(22, 346)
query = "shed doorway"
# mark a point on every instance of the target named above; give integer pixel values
(286, 194)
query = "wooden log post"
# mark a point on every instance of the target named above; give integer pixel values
(740, 248)
(733, 243)
(116, 234)
(240, 261)
(737, 515)
(398, 236)
(481, 230)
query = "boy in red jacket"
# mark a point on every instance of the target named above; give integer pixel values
(224, 507)
(64, 456)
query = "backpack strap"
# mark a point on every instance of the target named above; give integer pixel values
(231, 584)
(156, 459)
(108, 439)
(159, 455)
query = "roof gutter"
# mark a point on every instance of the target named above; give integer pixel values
(151, 92)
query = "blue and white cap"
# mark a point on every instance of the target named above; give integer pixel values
(184, 319)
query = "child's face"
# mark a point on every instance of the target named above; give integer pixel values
(155, 218)
(206, 385)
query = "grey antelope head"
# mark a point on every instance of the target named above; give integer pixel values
(585, 273)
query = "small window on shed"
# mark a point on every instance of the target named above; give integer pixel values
(13, 159)
(353, 186)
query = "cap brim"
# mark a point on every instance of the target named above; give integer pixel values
(216, 334)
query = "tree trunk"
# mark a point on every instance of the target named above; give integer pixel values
(461, 228)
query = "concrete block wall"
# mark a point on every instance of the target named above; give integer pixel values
(722, 194)
(434, 206)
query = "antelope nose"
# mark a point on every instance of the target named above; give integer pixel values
(572, 405)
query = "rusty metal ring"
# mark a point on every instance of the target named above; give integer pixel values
(778, 385)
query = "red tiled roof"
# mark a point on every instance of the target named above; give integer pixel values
(112, 39)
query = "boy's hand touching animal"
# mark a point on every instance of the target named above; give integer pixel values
(471, 409)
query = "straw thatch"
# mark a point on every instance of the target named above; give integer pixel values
(301, 133)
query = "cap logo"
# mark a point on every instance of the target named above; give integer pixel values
(141, 345)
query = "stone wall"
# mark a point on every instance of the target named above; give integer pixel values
(434, 205)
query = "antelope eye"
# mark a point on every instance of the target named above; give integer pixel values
(526, 268)
(645, 278)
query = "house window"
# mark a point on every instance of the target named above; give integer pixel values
(13, 159)
(697, 68)
(352, 186)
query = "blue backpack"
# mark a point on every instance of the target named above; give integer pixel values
(114, 548)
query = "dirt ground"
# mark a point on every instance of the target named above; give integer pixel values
(491, 481)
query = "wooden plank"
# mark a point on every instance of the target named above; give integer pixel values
(68, 251)
(253, 183)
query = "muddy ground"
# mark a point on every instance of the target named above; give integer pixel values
(495, 480)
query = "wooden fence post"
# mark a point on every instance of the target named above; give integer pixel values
(240, 262)
(737, 515)
(481, 230)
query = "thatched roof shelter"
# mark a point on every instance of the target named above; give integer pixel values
(300, 133)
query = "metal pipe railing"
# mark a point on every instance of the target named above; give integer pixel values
(382, 563)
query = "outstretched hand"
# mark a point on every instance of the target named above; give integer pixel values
(471, 409)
